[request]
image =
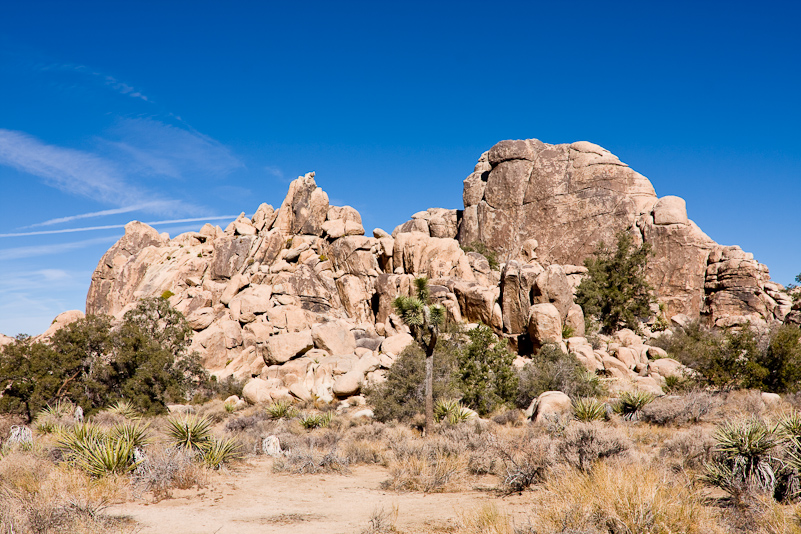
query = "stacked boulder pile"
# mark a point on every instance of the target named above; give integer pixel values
(298, 302)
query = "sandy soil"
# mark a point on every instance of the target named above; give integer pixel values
(253, 499)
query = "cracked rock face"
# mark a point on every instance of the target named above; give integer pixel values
(571, 197)
(567, 197)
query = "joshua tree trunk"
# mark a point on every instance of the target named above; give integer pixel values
(432, 343)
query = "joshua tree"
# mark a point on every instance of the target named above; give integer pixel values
(423, 320)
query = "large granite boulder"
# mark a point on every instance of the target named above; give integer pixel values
(568, 198)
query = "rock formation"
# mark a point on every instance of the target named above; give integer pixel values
(298, 301)
(570, 198)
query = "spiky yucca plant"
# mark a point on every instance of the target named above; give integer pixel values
(218, 452)
(743, 457)
(631, 402)
(98, 454)
(125, 409)
(189, 432)
(135, 433)
(790, 425)
(52, 418)
(451, 410)
(424, 320)
(316, 420)
(62, 408)
(588, 409)
(281, 409)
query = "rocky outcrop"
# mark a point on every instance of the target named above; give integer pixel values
(569, 198)
(298, 302)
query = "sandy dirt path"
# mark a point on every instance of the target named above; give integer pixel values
(254, 499)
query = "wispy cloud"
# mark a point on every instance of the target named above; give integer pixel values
(102, 213)
(153, 147)
(16, 282)
(275, 171)
(122, 87)
(70, 170)
(107, 80)
(108, 178)
(51, 250)
(114, 226)
(42, 293)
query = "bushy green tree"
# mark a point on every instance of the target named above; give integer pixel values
(615, 290)
(144, 360)
(424, 320)
(402, 395)
(782, 360)
(151, 364)
(485, 375)
(30, 374)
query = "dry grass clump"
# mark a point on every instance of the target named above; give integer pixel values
(39, 497)
(363, 451)
(426, 471)
(689, 449)
(621, 499)
(310, 460)
(214, 411)
(382, 522)
(488, 519)
(434, 464)
(738, 404)
(509, 417)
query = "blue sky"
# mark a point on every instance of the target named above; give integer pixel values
(197, 111)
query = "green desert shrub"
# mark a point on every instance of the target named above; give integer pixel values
(485, 375)
(782, 359)
(615, 290)
(144, 360)
(552, 369)
(402, 395)
(738, 358)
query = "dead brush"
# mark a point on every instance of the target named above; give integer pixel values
(488, 519)
(688, 449)
(362, 451)
(37, 496)
(582, 445)
(311, 460)
(382, 522)
(691, 408)
(163, 469)
(521, 460)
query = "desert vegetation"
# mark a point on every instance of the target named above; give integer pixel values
(86, 425)
(702, 460)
